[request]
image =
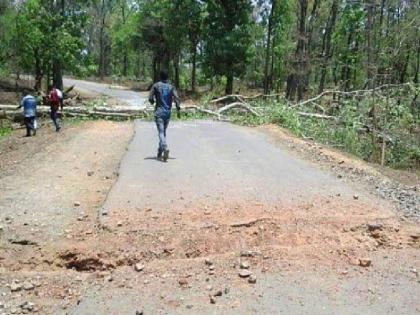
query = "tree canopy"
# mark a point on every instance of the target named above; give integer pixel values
(296, 46)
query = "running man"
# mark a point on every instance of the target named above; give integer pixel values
(164, 94)
(55, 103)
(29, 103)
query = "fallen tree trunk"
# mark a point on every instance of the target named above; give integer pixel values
(242, 98)
(238, 105)
(350, 93)
(314, 115)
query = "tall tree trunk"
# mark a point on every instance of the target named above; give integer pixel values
(327, 44)
(268, 49)
(229, 84)
(194, 65)
(57, 63)
(176, 70)
(101, 68)
(38, 71)
(125, 52)
(370, 45)
(125, 63)
(417, 68)
(302, 52)
(297, 80)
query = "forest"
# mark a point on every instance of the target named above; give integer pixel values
(352, 59)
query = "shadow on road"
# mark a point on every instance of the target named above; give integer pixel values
(156, 159)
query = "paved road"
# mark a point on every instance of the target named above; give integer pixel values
(135, 99)
(234, 174)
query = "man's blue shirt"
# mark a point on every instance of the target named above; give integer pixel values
(29, 106)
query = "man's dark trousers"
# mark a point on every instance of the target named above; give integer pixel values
(162, 122)
(29, 124)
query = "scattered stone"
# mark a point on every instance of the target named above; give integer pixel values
(374, 226)
(90, 173)
(29, 306)
(104, 212)
(244, 273)
(189, 306)
(139, 312)
(415, 236)
(212, 299)
(109, 278)
(1, 305)
(28, 286)
(252, 279)
(119, 223)
(218, 293)
(138, 267)
(208, 262)
(212, 267)
(365, 262)
(248, 253)
(375, 234)
(15, 287)
(227, 290)
(355, 197)
(183, 282)
(244, 265)
(76, 204)
(13, 310)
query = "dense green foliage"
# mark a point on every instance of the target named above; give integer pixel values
(299, 46)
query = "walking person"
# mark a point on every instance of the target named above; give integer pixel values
(163, 94)
(55, 103)
(29, 104)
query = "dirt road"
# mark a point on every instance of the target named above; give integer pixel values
(133, 99)
(234, 223)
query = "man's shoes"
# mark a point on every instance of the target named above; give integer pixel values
(159, 155)
(58, 129)
(165, 155)
(34, 132)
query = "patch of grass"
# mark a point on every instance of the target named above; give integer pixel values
(5, 131)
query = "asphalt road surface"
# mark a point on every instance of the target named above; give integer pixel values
(134, 99)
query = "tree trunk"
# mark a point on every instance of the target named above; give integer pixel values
(267, 48)
(125, 63)
(297, 80)
(125, 53)
(38, 71)
(229, 84)
(176, 69)
(327, 44)
(193, 71)
(57, 75)
(369, 28)
(101, 68)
